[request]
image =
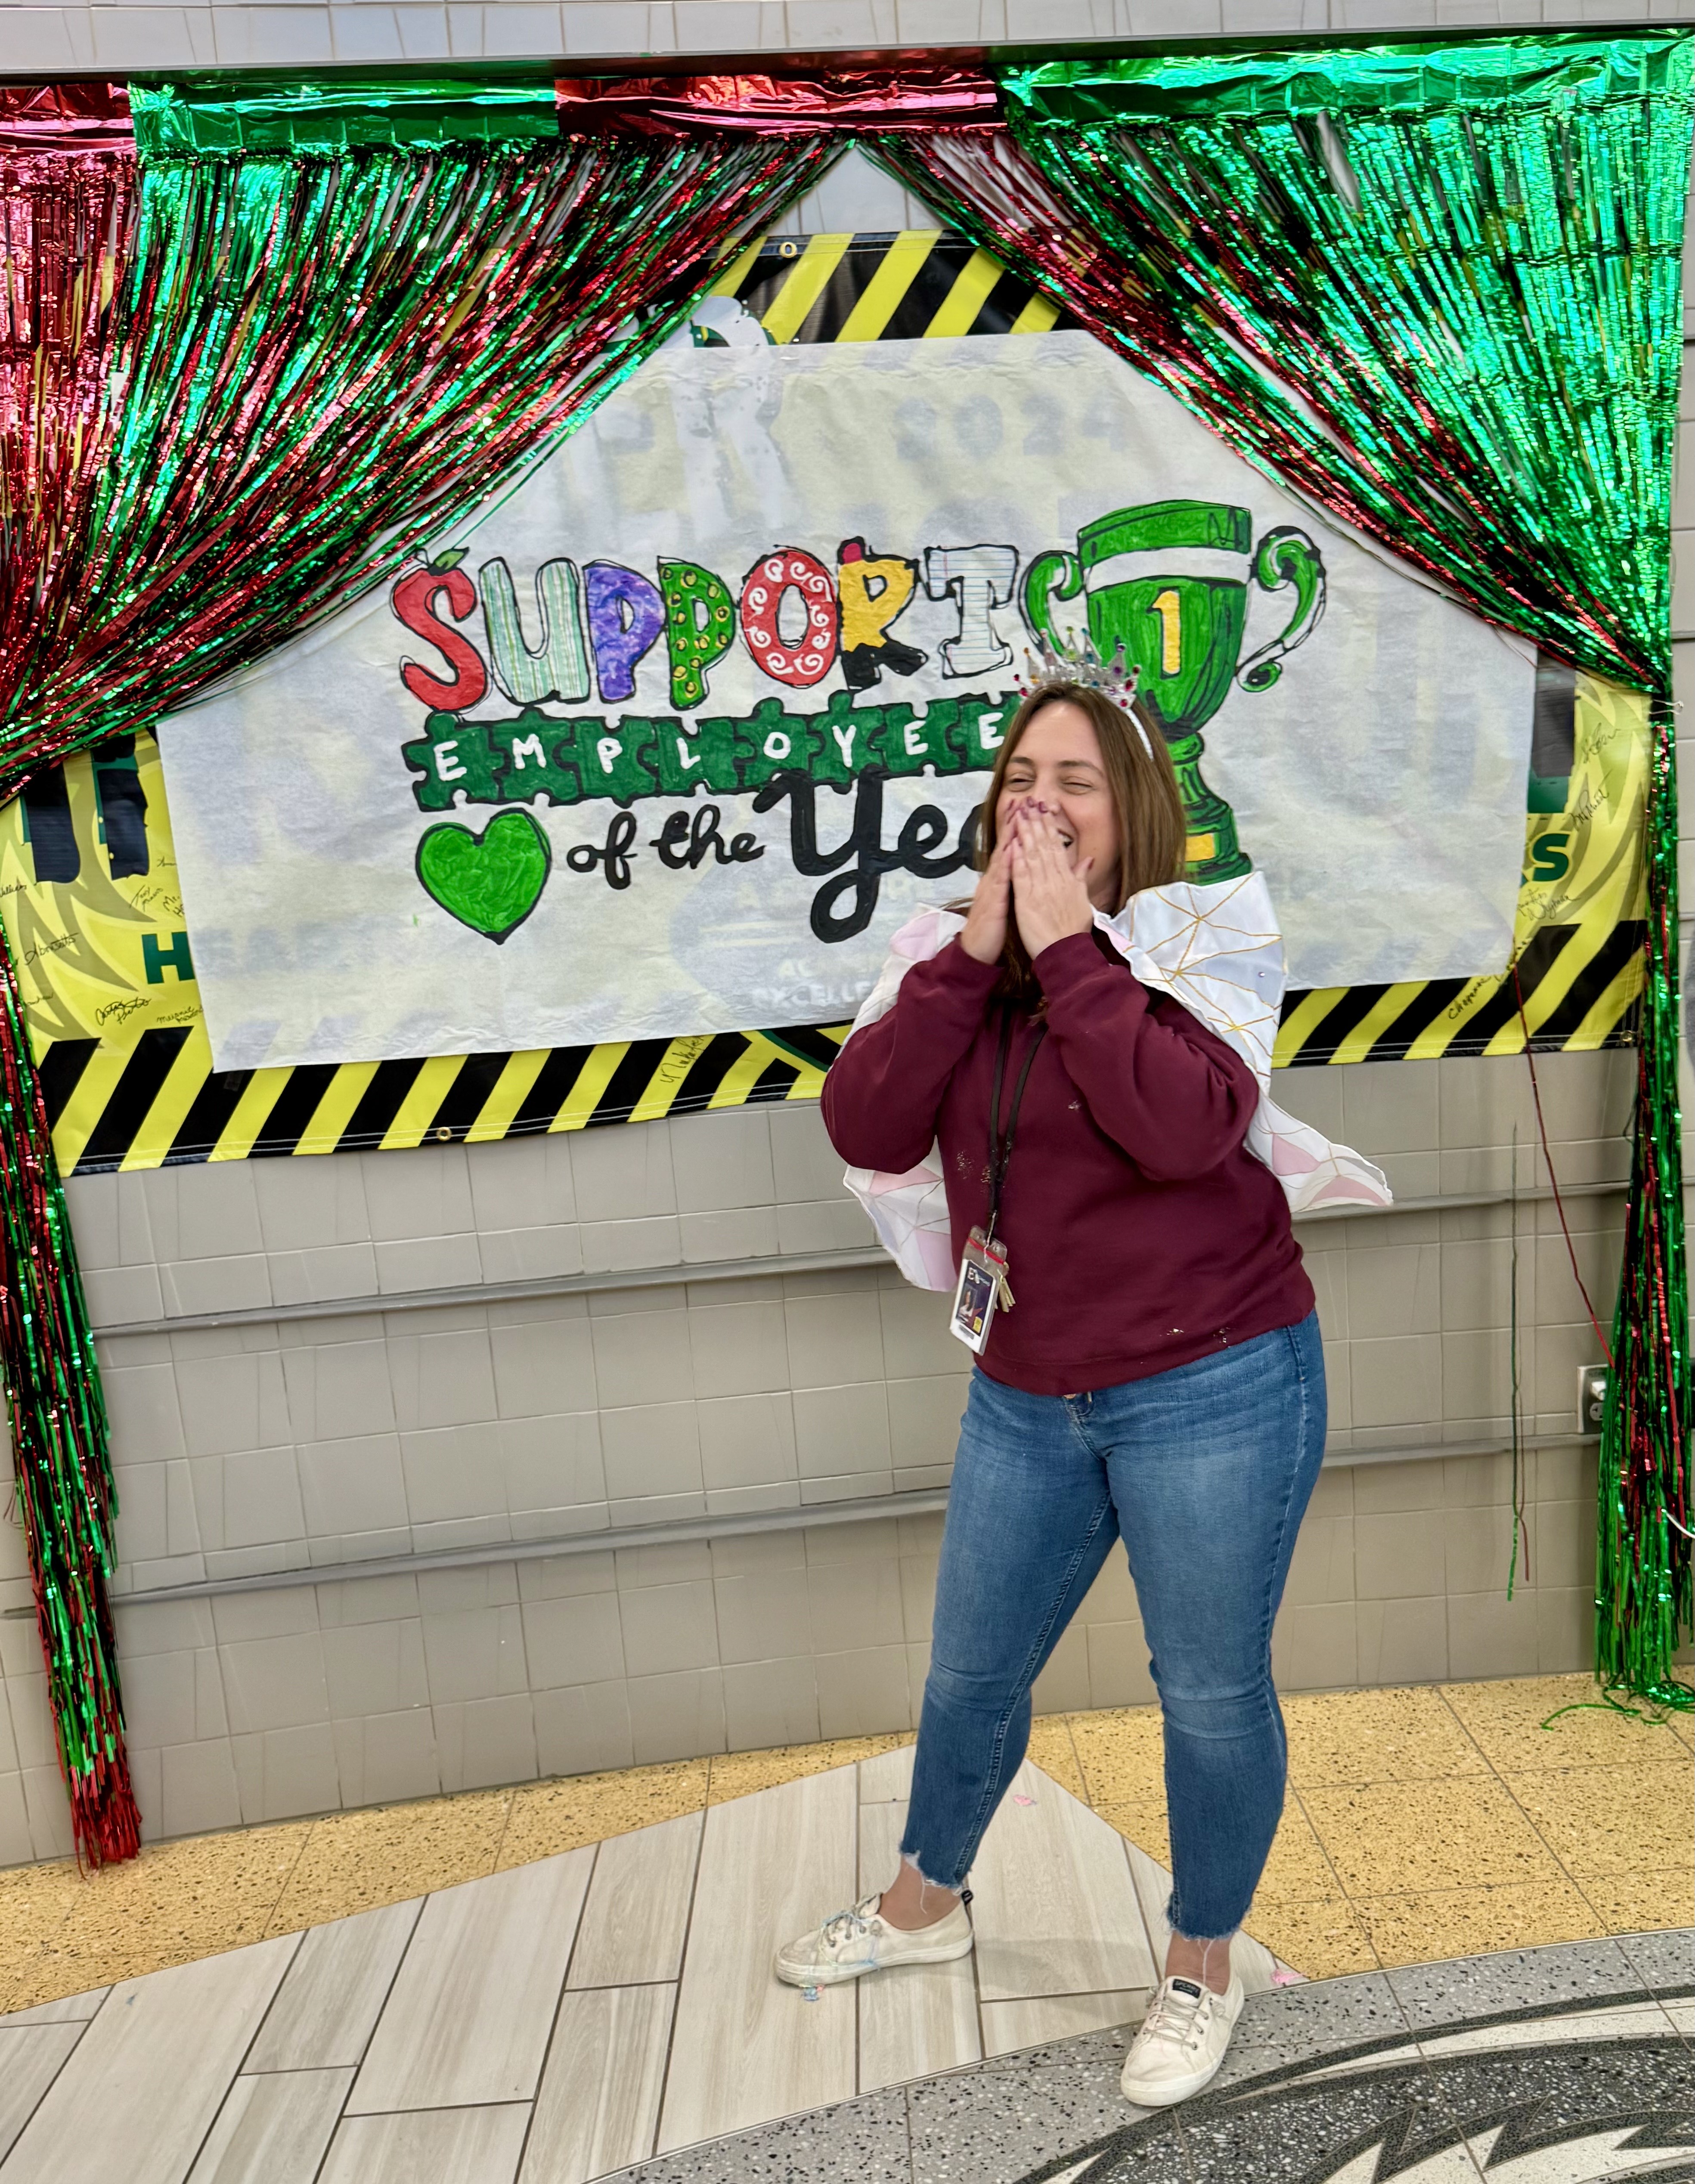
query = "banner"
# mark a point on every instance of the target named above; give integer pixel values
(89, 896)
(1578, 931)
(116, 1024)
(667, 741)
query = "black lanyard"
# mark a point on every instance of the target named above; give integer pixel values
(1000, 1148)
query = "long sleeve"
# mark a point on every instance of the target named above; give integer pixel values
(1171, 1093)
(885, 1088)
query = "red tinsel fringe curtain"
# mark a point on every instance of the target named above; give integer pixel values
(232, 395)
(68, 204)
(918, 95)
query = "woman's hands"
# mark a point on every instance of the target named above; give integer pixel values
(1049, 893)
(985, 923)
(1030, 876)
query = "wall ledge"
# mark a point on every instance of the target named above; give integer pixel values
(679, 1532)
(727, 1270)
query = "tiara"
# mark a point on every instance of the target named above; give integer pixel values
(1056, 660)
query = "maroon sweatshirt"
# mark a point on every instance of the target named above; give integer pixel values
(1141, 1232)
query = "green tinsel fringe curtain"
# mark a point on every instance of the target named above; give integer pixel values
(1436, 289)
(326, 352)
(1643, 1604)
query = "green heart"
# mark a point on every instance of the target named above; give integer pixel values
(491, 881)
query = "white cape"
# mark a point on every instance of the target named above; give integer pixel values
(1216, 949)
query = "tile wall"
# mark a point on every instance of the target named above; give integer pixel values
(293, 1444)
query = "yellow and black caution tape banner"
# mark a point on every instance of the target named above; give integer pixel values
(88, 883)
(88, 894)
(1581, 923)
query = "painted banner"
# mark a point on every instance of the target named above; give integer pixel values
(668, 740)
(1576, 960)
(88, 894)
(89, 897)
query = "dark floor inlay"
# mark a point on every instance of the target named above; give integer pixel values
(1569, 2096)
(1566, 2064)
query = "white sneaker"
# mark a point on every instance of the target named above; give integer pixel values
(1181, 2043)
(857, 1940)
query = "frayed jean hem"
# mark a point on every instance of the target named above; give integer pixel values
(950, 1887)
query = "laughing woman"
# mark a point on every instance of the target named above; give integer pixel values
(1158, 1379)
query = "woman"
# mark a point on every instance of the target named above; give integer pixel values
(1150, 1369)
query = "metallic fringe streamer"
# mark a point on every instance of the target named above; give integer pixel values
(1642, 1573)
(315, 360)
(67, 229)
(1465, 263)
(67, 220)
(1451, 318)
(324, 358)
(918, 92)
(336, 352)
(59, 1445)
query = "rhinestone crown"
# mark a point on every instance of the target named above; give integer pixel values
(1055, 661)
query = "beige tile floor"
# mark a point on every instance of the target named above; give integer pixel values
(1422, 1823)
(617, 1999)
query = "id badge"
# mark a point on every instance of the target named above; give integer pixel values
(982, 1284)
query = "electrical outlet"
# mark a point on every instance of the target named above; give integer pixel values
(1592, 1383)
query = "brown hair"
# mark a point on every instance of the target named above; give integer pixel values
(1153, 834)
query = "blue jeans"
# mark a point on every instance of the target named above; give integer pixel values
(1205, 1473)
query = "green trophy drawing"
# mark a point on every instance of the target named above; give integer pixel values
(1168, 581)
